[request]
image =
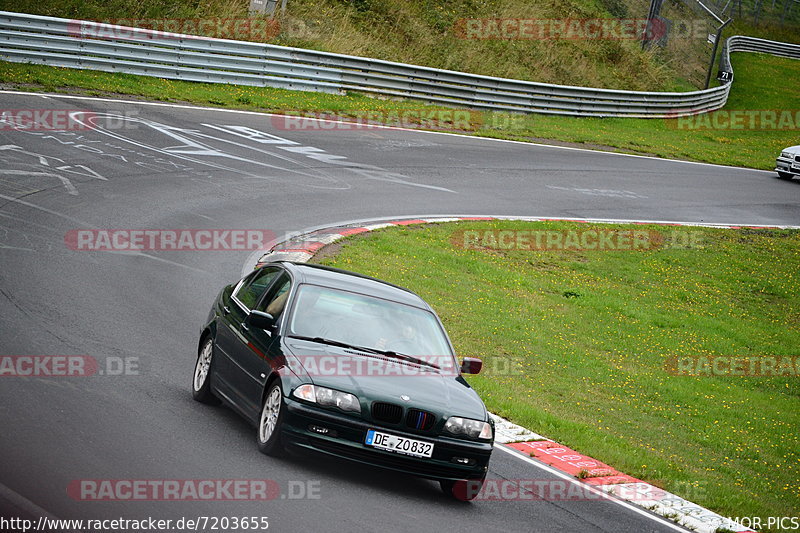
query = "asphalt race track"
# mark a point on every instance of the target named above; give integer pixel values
(159, 167)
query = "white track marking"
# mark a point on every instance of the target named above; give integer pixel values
(243, 112)
(6, 247)
(506, 432)
(587, 487)
(33, 174)
(40, 208)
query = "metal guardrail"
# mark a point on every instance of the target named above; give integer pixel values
(741, 43)
(78, 44)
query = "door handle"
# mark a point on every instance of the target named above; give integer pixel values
(244, 326)
(226, 309)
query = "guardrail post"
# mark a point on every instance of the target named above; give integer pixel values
(714, 51)
(81, 44)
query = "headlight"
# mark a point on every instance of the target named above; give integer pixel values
(787, 155)
(328, 397)
(466, 426)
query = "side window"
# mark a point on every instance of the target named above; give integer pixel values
(252, 289)
(275, 301)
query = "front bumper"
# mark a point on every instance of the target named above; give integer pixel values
(784, 166)
(346, 437)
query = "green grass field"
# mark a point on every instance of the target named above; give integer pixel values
(579, 342)
(754, 88)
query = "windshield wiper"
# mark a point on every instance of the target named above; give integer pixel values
(409, 358)
(340, 344)
(388, 353)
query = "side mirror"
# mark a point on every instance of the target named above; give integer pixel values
(471, 365)
(261, 320)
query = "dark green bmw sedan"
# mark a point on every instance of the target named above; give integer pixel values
(349, 366)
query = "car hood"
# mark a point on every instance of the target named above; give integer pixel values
(792, 149)
(375, 378)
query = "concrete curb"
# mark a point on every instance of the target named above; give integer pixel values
(302, 247)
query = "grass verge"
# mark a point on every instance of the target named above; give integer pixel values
(578, 342)
(754, 89)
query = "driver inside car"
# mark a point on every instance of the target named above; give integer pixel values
(405, 343)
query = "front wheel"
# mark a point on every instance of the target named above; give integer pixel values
(463, 489)
(201, 382)
(269, 424)
(785, 175)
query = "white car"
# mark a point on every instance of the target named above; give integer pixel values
(788, 163)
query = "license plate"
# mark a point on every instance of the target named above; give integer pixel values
(795, 166)
(397, 444)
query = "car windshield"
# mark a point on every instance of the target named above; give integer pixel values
(361, 320)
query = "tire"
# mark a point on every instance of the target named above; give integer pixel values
(268, 433)
(784, 176)
(464, 489)
(201, 378)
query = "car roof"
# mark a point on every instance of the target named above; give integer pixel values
(353, 282)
